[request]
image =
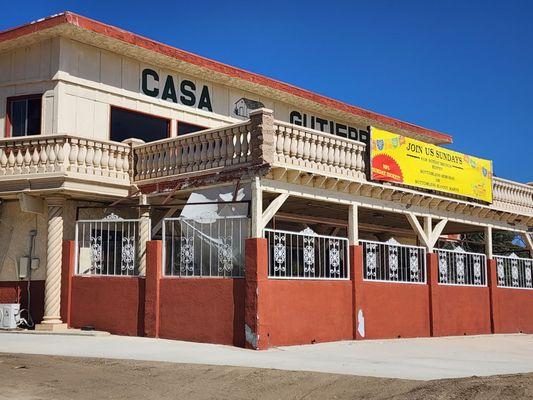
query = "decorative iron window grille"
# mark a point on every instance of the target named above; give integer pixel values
(204, 247)
(393, 262)
(459, 267)
(306, 255)
(107, 246)
(514, 272)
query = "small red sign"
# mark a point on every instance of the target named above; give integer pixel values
(385, 168)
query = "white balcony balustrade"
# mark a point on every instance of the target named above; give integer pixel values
(318, 152)
(53, 160)
(283, 150)
(512, 196)
(202, 151)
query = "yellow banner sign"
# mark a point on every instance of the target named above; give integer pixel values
(400, 159)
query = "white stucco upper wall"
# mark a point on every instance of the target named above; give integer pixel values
(29, 70)
(93, 79)
(80, 83)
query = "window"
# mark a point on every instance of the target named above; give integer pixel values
(127, 124)
(184, 128)
(24, 115)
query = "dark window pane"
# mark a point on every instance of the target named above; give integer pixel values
(25, 117)
(184, 128)
(18, 118)
(129, 124)
(34, 117)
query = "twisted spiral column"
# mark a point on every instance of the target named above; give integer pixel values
(52, 294)
(144, 236)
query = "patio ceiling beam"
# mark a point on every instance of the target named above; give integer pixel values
(380, 204)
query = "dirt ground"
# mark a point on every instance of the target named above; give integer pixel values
(47, 377)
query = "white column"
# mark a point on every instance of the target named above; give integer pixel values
(428, 229)
(257, 209)
(353, 224)
(144, 236)
(488, 242)
(54, 247)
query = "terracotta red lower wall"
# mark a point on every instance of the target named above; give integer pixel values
(285, 312)
(513, 310)
(306, 311)
(202, 310)
(112, 304)
(461, 310)
(16, 291)
(392, 310)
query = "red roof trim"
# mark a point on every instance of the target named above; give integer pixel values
(149, 44)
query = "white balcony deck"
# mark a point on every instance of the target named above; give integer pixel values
(284, 152)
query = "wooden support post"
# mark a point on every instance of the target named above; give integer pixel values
(353, 224)
(257, 209)
(488, 242)
(427, 234)
(420, 232)
(260, 219)
(428, 228)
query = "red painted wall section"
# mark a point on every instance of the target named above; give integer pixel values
(153, 284)
(461, 310)
(512, 308)
(16, 291)
(306, 311)
(392, 310)
(288, 312)
(208, 310)
(389, 310)
(112, 304)
(457, 310)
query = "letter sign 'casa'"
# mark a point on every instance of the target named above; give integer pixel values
(185, 92)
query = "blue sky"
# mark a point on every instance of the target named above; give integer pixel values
(463, 68)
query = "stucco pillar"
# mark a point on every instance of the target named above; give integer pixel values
(144, 236)
(432, 265)
(356, 275)
(492, 275)
(154, 256)
(355, 271)
(256, 276)
(52, 294)
(262, 136)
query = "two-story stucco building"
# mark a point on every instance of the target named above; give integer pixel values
(146, 190)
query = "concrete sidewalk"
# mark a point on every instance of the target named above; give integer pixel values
(424, 359)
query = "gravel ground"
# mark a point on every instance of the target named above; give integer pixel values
(50, 377)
